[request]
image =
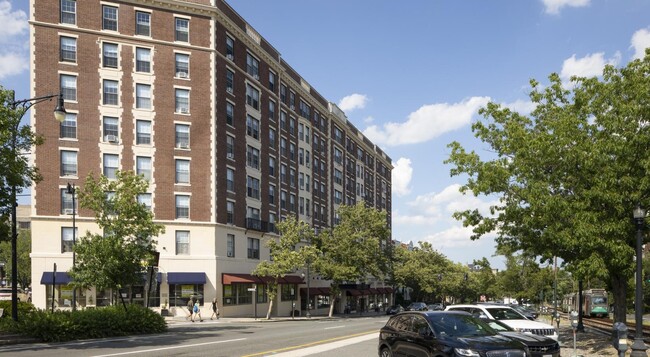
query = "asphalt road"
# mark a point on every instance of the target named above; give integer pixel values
(221, 338)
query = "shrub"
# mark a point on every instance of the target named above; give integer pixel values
(90, 323)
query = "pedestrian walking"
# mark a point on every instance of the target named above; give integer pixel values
(197, 310)
(190, 308)
(215, 309)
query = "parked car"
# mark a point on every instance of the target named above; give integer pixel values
(528, 312)
(5, 294)
(417, 306)
(508, 316)
(436, 307)
(539, 346)
(444, 334)
(392, 310)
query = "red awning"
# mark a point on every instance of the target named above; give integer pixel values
(374, 291)
(354, 292)
(291, 279)
(381, 291)
(229, 279)
(312, 291)
(388, 290)
(325, 291)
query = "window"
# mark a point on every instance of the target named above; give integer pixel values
(111, 164)
(143, 60)
(271, 110)
(301, 156)
(230, 81)
(253, 187)
(69, 87)
(182, 206)
(252, 66)
(292, 202)
(301, 205)
(182, 65)
(145, 199)
(67, 238)
(283, 173)
(338, 135)
(292, 125)
(252, 157)
(230, 114)
(230, 179)
(272, 81)
(143, 132)
(230, 48)
(109, 55)
(292, 100)
(182, 136)
(143, 96)
(292, 177)
(182, 101)
(66, 202)
(68, 12)
(182, 30)
(252, 127)
(238, 294)
(182, 171)
(252, 97)
(304, 110)
(283, 146)
(253, 248)
(142, 23)
(283, 199)
(68, 47)
(338, 176)
(283, 120)
(271, 166)
(292, 151)
(230, 241)
(110, 126)
(68, 163)
(230, 147)
(288, 292)
(301, 131)
(110, 92)
(283, 93)
(272, 137)
(182, 242)
(109, 18)
(338, 156)
(272, 194)
(230, 212)
(301, 181)
(338, 197)
(143, 167)
(68, 128)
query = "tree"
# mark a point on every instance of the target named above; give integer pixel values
(424, 270)
(24, 249)
(355, 249)
(286, 257)
(117, 258)
(569, 174)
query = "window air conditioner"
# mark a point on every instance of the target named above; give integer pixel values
(184, 145)
(68, 211)
(230, 155)
(111, 138)
(230, 57)
(230, 254)
(181, 74)
(185, 110)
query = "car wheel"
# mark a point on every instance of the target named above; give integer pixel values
(385, 352)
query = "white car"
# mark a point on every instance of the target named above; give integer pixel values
(508, 316)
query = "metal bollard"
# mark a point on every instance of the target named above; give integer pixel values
(619, 338)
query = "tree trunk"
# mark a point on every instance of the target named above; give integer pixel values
(332, 299)
(268, 312)
(619, 290)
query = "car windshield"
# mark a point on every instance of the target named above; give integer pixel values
(459, 325)
(502, 313)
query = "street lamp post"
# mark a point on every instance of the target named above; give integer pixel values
(308, 296)
(639, 347)
(71, 190)
(59, 114)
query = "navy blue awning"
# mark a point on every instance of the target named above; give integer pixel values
(186, 278)
(62, 278)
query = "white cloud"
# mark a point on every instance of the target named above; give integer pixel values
(554, 6)
(401, 177)
(368, 120)
(523, 107)
(13, 23)
(452, 237)
(588, 66)
(12, 64)
(426, 123)
(640, 41)
(352, 102)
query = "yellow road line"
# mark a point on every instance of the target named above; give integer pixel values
(310, 344)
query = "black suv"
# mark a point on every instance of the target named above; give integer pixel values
(444, 334)
(417, 306)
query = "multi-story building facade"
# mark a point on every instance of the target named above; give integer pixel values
(229, 136)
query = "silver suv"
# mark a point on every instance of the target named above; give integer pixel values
(508, 316)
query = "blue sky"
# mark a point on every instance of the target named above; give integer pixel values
(412, 75)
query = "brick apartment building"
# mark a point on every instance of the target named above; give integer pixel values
(229, 136)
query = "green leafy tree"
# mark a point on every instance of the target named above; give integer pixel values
(569, 174)
(287, 257)
(117, 258)
(424, 270)
(355, 249)
(24, 249)
(486, 280)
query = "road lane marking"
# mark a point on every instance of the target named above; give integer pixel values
(331, 328)
(311, 344)
(327, 347)
(170, 348)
